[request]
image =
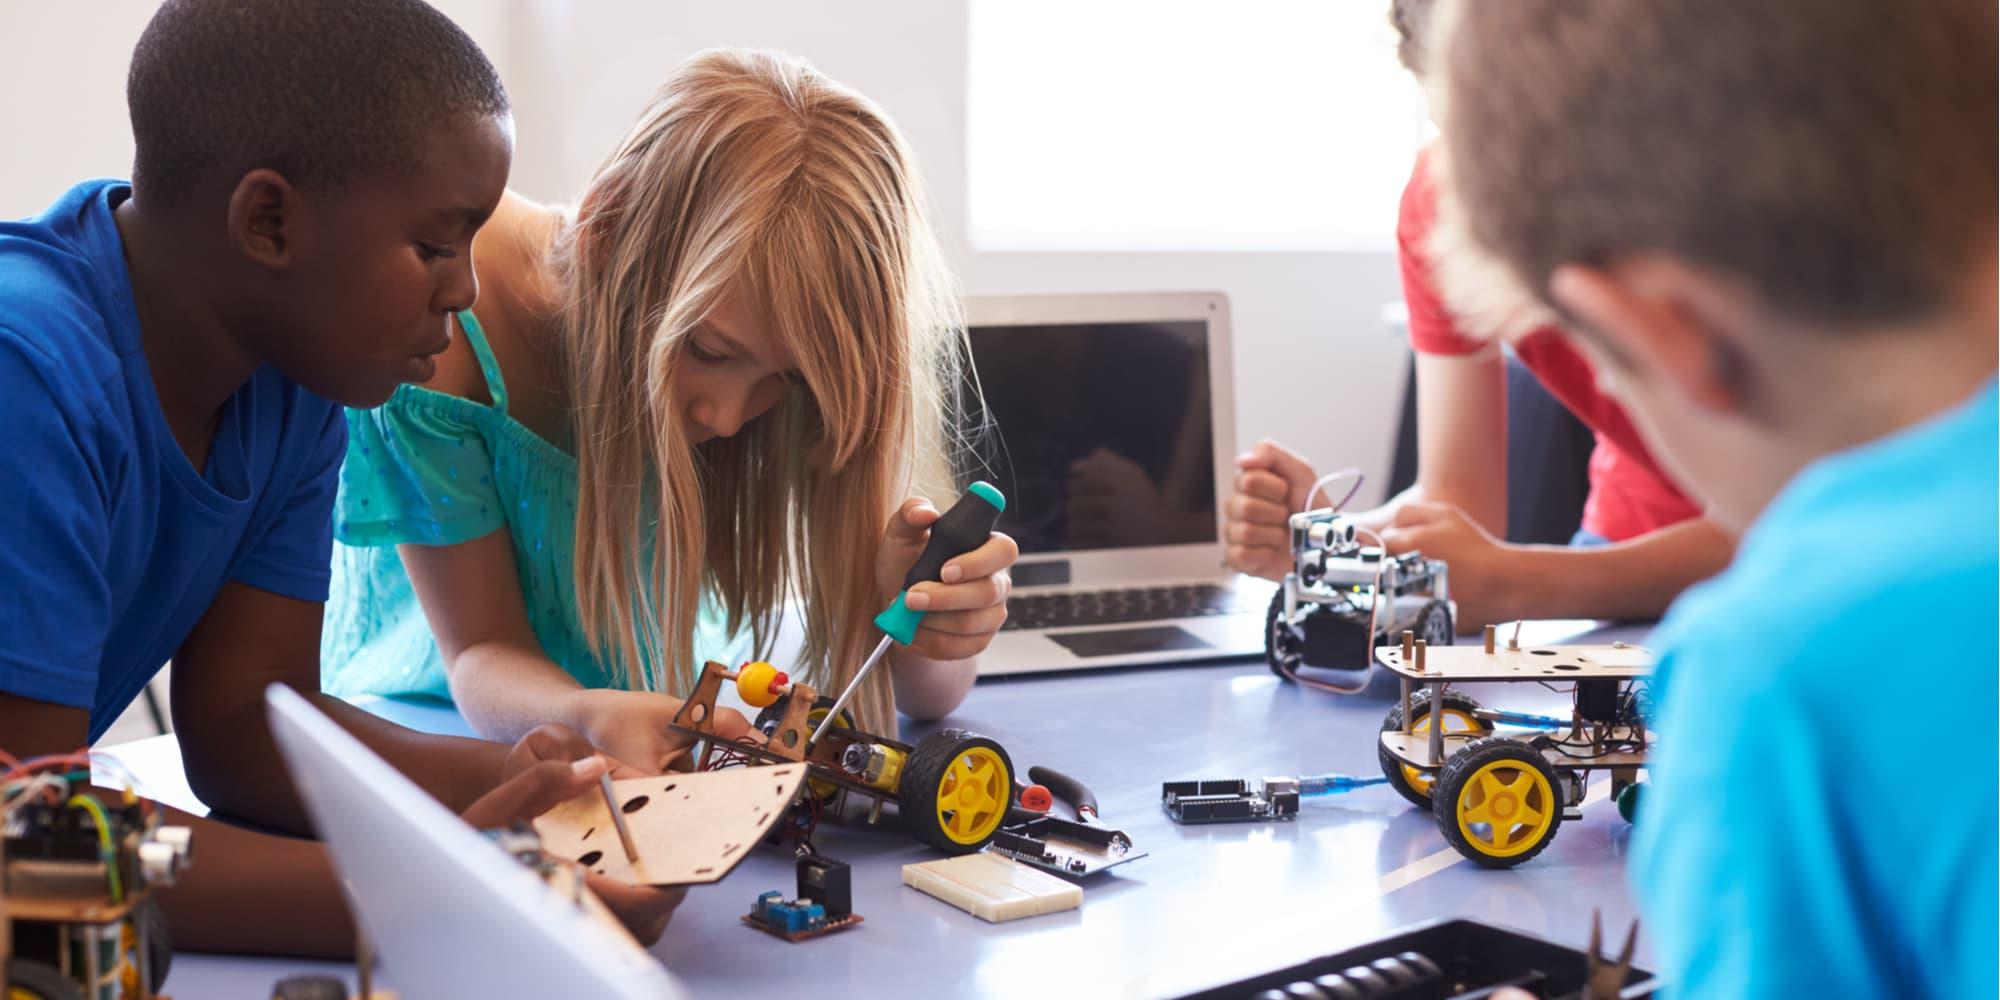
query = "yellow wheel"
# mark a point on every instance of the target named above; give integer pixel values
(1498, 802)
(955, 790)
(1414, 783)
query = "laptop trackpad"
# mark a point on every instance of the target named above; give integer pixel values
(1117, 642)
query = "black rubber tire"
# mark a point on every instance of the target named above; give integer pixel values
(1457, 771)
(1282, 651)
(916, 793)
(776, 710)
(40, 980)
(1392, 768)
(159, 956)
(1434, 625)
(309, 988)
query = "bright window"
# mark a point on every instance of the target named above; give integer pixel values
(1177, 125)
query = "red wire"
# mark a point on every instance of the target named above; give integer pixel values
(22, 767)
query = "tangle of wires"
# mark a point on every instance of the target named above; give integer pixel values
(798, 824)
(37, 794)
(1624, 732)
(726, 755)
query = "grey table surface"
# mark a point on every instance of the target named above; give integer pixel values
(1210, 904)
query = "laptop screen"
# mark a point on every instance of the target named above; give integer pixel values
(1100, 433)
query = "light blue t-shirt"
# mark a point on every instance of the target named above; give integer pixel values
(112, 544)
(1822, 815)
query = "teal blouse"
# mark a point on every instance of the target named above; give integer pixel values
(427, 468)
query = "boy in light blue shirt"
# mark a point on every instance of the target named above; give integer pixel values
(1772, 227)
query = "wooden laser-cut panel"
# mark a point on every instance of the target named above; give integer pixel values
(1546, 663)
(688, 828)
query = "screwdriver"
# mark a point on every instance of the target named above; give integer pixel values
(964, 527)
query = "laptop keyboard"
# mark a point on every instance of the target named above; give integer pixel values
(1110, 607)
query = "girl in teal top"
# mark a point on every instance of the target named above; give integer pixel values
(673, 415)
(428, 468)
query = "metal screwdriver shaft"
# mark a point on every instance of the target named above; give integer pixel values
(964, 527)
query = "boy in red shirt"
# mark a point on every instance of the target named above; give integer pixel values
(1648, 541)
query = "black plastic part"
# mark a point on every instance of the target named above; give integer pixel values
(1469, 957)
(1336, 987)
(1064, 788)
(1224, 786)
(1597, 699)
(309, 988)
(1043, 827)
(25, 976)
(1224, 801)
(1392, 768)
(964, 527)
(1336, 640)
(827, 882)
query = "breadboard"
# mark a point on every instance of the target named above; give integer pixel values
(991, 887)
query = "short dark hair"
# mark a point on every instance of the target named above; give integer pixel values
(1839, 156)
(321, 91)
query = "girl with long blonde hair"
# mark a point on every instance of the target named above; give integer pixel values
(697, 398)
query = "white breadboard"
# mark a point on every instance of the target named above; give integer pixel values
(992, 887)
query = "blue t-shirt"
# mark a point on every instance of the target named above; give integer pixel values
(1822, 815)
(112, 545)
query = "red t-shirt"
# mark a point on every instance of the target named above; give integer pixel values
(1629, 494)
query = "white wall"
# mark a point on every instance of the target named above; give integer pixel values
(1314, 365)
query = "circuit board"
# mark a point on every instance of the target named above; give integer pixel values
(1232, 800)
(830, 927)
(1063, 846)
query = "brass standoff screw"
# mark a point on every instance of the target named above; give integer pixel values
(1421, 644)
(1489, 640)
(1409, 652)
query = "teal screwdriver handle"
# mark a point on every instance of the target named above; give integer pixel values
(964, 527)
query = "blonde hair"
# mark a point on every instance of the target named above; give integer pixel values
(752, 170)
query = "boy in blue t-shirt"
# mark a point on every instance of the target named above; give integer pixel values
(174, 353)
(1772, 226)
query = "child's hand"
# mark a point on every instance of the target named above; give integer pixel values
(1482, 567)
(534, 790)
(633, 726)
(963, 612)
(643, 909)
(1271, 486)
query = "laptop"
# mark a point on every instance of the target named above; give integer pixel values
(1109, 423)
(450, 913)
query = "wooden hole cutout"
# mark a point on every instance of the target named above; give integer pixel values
(590, 858)
(637, 803)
